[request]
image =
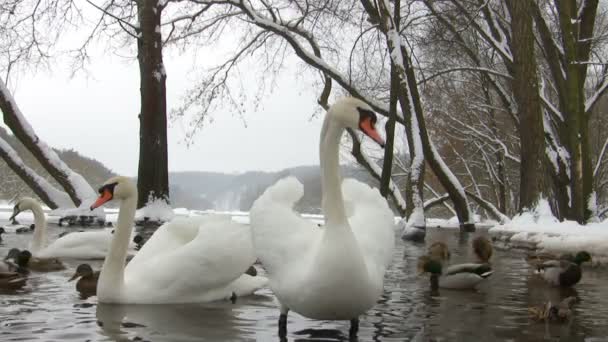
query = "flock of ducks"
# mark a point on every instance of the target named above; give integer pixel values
(563, 271)
(332, 272)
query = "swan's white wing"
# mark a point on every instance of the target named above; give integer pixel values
(85, 245)
(282, 238)
(372, 222)
(189, 256)
(82, 245)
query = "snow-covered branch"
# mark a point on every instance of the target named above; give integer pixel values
(50, 195)
(74, 184)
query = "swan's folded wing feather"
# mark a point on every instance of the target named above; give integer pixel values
(372, 222)
(282, 238)
(178, 261)
(93, 244)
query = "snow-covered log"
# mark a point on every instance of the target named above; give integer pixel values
(74, 184)
(50, 195)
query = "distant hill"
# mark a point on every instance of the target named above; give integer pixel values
(193, 190)
(210, 190)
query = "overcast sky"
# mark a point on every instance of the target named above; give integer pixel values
(97, 116)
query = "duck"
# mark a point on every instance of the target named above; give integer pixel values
(87, 284)
(76, 245)
(25, 262)
(562, 272)
(26, 229)
(21, 260)
(336, 272)
(9, 264)
(458, 276)
(2, 231)
(535, 259)
(186, 260)
(482, 247)
(553, 313)
(439, 251)
(12, 281)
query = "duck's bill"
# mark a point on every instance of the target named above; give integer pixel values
(368, 128)
(74, 277)
(105, 196)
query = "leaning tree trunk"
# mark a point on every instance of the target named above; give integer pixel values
(409, 99)
(50, 195)
(526, 92)
(74, 184)
(153, 175)
(414, 204)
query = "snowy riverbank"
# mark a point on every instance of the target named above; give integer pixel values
(542, 232)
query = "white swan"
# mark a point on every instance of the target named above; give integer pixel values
(76, 245)
(195, 259)
(334, 272)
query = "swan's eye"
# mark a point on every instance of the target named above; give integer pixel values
(366, 114)
(109, 187)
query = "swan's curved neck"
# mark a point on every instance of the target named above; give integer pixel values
(331, 181)
(111, 277)
(39, 238)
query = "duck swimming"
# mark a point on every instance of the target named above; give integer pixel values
(87, 284)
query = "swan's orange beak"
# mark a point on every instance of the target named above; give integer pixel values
(367, 126)
(105, 196)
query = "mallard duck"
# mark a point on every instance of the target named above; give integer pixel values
(550, 312)
(27, 229)
(459, 276)
(563, 272)
(9, 264)
(252, 271)
(138, 240)
(439, 251)
(87, 284)
(39, 264)
(482, 248)
(539, 258)
(21, 260)
(11, 280)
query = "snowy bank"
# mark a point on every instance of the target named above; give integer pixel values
(539, 230)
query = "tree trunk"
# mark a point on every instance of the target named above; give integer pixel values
(526, 93)
(574, 108)
(74, 184)
(153, 176)
(409, 98)
(387, 163)
(47, 193)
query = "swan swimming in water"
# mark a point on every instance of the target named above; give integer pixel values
(187, 260)
(75, 245)
(336, 272)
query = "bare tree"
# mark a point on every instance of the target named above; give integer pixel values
(527, 96)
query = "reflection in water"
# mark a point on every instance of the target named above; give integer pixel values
(49, 308)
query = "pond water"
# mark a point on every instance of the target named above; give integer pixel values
(49, 308)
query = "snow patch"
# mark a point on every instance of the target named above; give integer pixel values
(157, 209)
(539, 230)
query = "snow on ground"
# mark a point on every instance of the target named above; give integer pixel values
(539, 230)
(155, 210)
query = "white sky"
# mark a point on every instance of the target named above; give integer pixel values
(96, 114)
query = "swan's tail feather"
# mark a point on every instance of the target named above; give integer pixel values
(354, 189)
(287, 190)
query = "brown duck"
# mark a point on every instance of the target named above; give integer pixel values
(482, 247)
(87, 284)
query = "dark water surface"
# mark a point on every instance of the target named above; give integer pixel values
(49, 308)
